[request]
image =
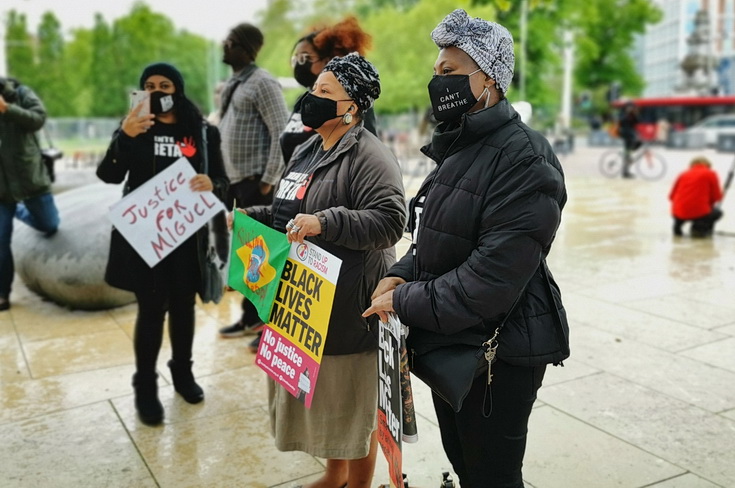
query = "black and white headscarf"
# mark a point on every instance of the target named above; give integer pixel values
(488, 43)
(359, 78)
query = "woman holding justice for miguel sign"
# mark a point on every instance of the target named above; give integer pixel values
(342, 191)
(143, 146)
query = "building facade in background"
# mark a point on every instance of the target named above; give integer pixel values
(661, 50)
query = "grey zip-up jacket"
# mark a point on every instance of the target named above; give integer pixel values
(359, 189)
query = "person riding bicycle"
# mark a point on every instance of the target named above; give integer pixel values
(628, 133)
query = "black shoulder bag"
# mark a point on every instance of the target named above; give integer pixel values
(211, 287)
(450, 370)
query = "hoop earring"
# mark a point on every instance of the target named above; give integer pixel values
(347, 118)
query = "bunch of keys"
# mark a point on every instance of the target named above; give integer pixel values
(491, 347)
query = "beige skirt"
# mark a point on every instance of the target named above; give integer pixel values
(343, 412)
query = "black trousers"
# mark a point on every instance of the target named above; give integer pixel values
(701, 227)
(171, 288)
(488, 452)
(246, 193)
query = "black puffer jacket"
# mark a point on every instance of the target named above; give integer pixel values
(492, 207)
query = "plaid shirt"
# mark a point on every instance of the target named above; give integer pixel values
(251, 126)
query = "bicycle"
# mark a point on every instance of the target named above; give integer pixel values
(646, 162)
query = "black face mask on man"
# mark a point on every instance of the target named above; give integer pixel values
(303, 75)
(161, 102)
(315, 111)
(451, 96)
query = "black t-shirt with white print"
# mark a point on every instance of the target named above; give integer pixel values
(292, 190)
(170, 142)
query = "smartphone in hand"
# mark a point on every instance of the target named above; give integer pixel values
(137, 96)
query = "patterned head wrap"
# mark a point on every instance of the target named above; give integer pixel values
(358, 77)
(489, 44)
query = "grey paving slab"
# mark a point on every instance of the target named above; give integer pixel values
(717, 295)
(210, 451)
(84, 446)
(636, 325)
(694, 439)
(638, 287)
(729, 414)
(564, 452)
(672, 374)
(571, 370)
(687, 311)
(727, 329)
(685, 481)
(719, 353)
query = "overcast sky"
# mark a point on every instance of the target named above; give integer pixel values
(209, 18)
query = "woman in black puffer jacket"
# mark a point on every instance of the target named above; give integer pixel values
(482, 223)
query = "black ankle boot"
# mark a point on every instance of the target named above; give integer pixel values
(184, 383)
(150, 410)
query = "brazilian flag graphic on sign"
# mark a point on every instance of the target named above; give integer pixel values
(257, 258)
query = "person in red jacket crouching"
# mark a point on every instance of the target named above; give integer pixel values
(693, 197)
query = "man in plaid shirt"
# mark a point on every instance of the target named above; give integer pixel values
(253, 115)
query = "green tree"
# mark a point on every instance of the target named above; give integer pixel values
(281, 26)
(403, 50)
(105, 88)
(19, 50)
(78, 53)
(53, 83)
(604, 33)
(607, 32)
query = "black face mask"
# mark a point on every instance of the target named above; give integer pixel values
(315, 111)
(161, 102)
(451, 96)
(303, 75)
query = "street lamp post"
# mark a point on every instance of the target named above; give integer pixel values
(566, 94)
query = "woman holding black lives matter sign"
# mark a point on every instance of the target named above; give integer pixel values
(143, 146)
(342, 191)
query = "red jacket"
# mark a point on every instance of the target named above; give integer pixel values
(694, 193)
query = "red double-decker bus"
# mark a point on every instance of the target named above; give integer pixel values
(680, 112)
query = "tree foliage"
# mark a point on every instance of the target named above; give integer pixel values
(90, 73)
(604, 33)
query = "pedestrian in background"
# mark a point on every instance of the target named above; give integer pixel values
(694, 198)
(253, 116)
(483, 223)
(311, 54)
(351, 204)
(628, 132)
(140, 149)
(25, 185)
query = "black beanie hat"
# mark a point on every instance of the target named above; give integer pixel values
(164, 69)
(249, 37)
